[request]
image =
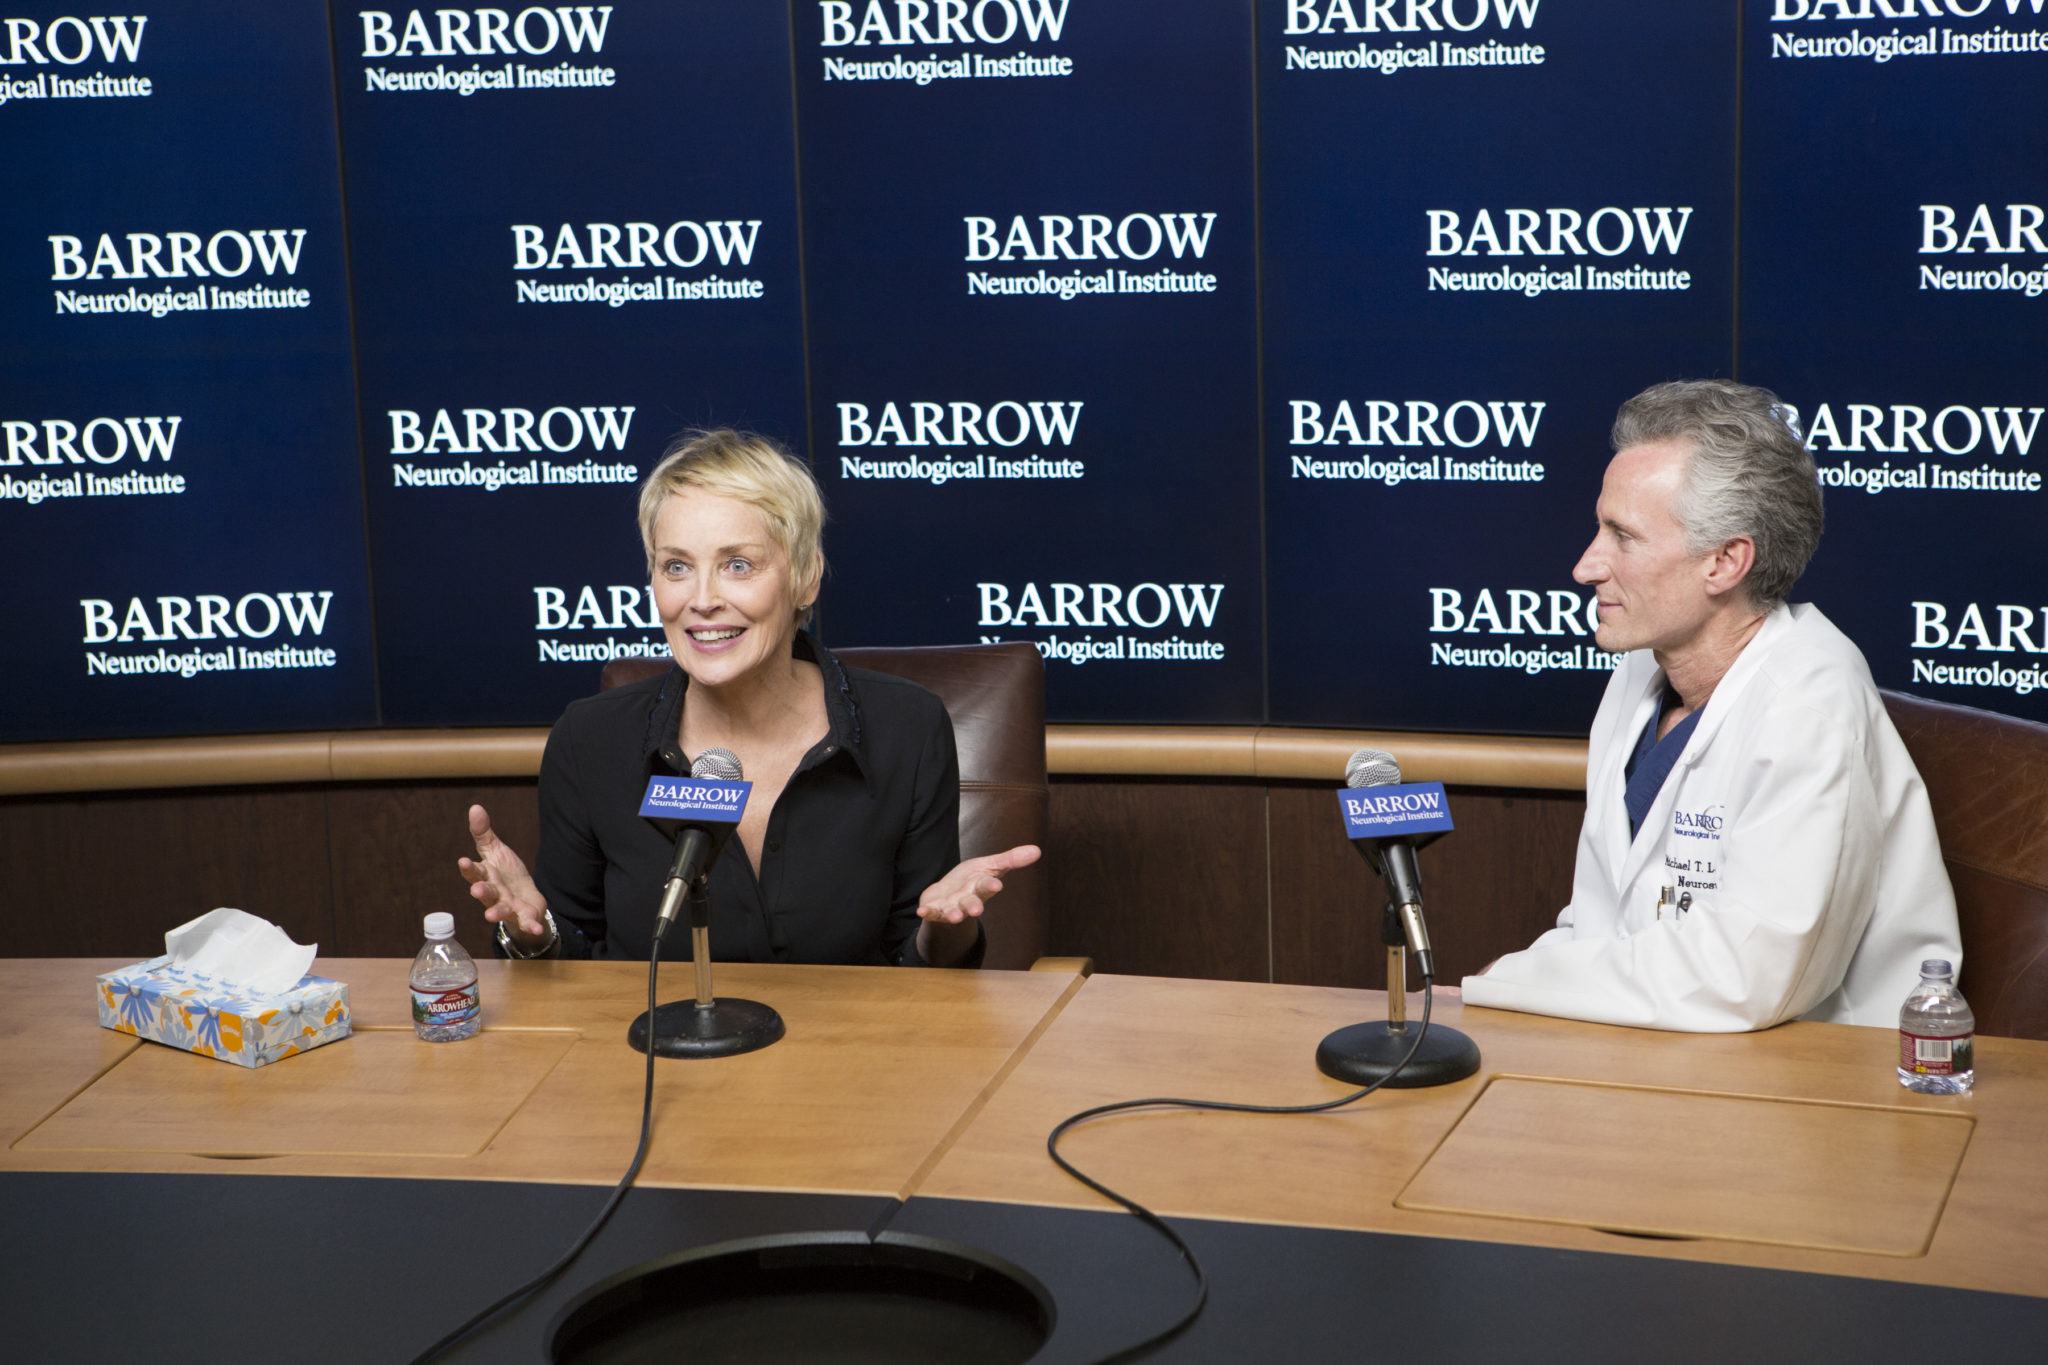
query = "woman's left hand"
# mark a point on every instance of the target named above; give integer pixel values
(964, 893)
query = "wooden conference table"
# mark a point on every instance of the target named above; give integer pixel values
(1593, 1193)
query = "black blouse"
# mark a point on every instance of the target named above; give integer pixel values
(869, 820)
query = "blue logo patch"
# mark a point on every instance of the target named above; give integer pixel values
(1699, 824)
(1405, 808)
(698, 799)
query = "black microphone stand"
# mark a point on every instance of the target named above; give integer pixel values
(1363, 1054)
(705, 1026)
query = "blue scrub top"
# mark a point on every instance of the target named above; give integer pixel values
(1653, 760)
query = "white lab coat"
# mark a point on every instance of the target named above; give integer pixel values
(1797, 822)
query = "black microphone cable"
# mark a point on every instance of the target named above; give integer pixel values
(618, 1191)
(1158, 1224)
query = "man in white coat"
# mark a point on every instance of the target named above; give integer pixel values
(1757, 844)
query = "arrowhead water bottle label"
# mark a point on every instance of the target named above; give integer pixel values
(444, 1009)
(1926, 1056)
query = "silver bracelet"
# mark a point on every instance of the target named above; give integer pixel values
(548, 949)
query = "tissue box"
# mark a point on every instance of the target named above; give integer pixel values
(196, 1012)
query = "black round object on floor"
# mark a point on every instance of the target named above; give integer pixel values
(815, 1296)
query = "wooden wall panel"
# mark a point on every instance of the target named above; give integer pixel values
(1160, 877)
(1326, 901)
(395, 846)
(108, 874)
(1226, 879)
(1490, 885)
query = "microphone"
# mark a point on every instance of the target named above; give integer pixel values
(698, 841)
(702, 811)
(1393, 857)
(1371, 768)
(1387, 821)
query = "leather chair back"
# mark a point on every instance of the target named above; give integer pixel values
(996, 697)
(1987, 780)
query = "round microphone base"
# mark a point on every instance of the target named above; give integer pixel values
(1363, 1053)
(725, 1028)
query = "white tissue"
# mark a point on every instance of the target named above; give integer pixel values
(239, 950)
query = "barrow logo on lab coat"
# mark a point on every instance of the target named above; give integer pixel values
(1699, 824)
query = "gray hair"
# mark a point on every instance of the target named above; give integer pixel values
(1749, 475)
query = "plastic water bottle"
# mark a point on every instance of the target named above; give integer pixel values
(444, 1000)
(1937, 1034)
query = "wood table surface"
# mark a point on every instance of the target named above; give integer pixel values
(1353, 1168)
(879, 1069)
(922, 1083)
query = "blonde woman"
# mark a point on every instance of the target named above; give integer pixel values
(849, 850)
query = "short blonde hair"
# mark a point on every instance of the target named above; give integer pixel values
(753, 470)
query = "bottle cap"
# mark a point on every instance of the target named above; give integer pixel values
(1936, 966)
(441, 924)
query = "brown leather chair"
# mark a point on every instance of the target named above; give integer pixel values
(1987, 779)
(996, 697)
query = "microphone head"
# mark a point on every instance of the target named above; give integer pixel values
(721, 765)
(1371, 768)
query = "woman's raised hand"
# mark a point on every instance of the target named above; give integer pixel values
(498, 879)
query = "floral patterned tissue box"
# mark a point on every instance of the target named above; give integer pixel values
(203, 1014)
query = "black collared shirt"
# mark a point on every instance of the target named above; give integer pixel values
(870, 818)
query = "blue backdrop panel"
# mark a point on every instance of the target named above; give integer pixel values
(593, 249)
(1478, 239)
(1895, 291)
(1031, 275)
(1255, 361)
(179, 495)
